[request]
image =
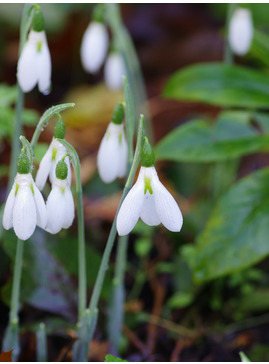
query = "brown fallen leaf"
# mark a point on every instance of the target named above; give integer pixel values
(6, 356)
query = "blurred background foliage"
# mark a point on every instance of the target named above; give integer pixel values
(199, 295)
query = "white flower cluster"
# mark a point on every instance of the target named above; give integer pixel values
(93, 52)
(25, 207)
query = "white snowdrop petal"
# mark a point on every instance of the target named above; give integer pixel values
(41, 211)
(240, 31)
(69, 209)
(148, 212)
(8, 211)
(113, 71)
(44, 67)
(166, 207)
(55, 210)
(94, 47)
(108, 158)
(123, 151)
(24, 213)
(43, 170)
(27, 72)
(130, 209)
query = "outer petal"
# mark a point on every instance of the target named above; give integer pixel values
(148, 212)
(166, 207)
(24, 213)
(94, 47)
(69, 208)
(44, 169)
(27, 72)
(123, 152)
(114, 70)
(108, 157)
(55, 210)
(44, 66)
(60, 152)
(8, 211)
(240, 31)
(41, 211)
(130, 209)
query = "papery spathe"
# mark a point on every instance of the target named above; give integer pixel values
(112, 154)
(60, 207)
(54, 154)
(149, 200)
(25, 207)
(240, 31)
(34, 65)
(94, 47)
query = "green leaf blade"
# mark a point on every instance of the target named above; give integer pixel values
(220, 84)
(236, 235)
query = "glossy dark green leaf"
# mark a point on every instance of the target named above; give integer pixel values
(220, 84)
(201, 141)
(236, 235)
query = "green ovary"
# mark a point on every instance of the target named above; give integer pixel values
(147, 185)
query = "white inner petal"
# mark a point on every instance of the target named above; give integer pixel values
(148, 212)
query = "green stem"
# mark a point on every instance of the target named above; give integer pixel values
(228, 55)
(88, 322)
(41, 348)
(13, 316)
(124, 45)
(82, 284)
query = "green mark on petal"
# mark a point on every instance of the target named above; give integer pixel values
(63, 189)
(32, 188)
(39, 46)
(147, 185)
(120, 138)
(17, 189)
(53, 154)
(108, 135)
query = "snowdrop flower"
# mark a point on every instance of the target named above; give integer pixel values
(60, 203)
(149, 200)
(240, 31)
(53, 155)
(34, 65)
(25, 207)
(112, 154)
(114, 70)
(94, 47)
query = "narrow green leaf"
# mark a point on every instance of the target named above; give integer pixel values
(201, 141)
(220, 84)
(243, 357)
(236, 235)
(113, 359)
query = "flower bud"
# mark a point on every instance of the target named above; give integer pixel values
(38, 22)
(147, 154)
(118, 114)
(59, 129)
(23, 164)
(61, 170)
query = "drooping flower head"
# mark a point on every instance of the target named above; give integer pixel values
(240, 31)
(53, 155)
(94, 47)
(60, 203)
(112, 154)
(148, 199)
(34, 65)
(25, 207)
(114, 70)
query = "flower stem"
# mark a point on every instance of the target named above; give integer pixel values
(124, 45)
(88, 322)
(41, 347)
(82, 284)
(228, 55)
